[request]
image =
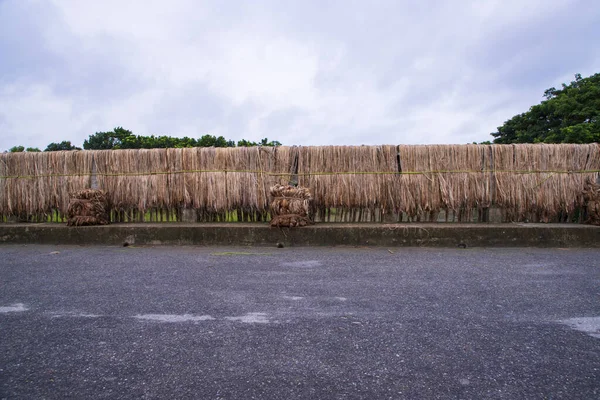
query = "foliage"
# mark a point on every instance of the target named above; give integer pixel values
(121, 138)
(263, 142)
(64, 145)
(20, 149)
(107, 140)
(568, 115)
(163, 142)
(208, 141)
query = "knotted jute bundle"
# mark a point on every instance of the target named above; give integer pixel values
(88, 207)
(290, 206)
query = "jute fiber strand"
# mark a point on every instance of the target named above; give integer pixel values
(232, 185)
(235, 190)
(178, 195)
(418, 189)
(199, 187)
(37, 183)
(505, 194)
(348, 176)
(207, 191)
(468, 186)
(134, 178)
(262, 168)
(225, 179)
(535, 179)
(591, 196)
(280, 163)
(387, 162)
(540, 180)
(208, 179)
(3, 181)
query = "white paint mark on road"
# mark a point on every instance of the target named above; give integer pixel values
(17, 307)
(589, 325)
(73, 314)
(251, 318)
(293, 297)
(340, 298)
(174, 318)
(302, 264)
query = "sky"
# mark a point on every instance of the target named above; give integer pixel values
(304, 72)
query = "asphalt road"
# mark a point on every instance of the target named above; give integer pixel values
(306, 323)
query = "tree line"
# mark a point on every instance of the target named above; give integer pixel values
(570, 114)
(120, 138)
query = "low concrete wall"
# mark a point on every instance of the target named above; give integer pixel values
(255, 234)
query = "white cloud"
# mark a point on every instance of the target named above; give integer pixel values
(28, 111)
(301, 73)
(273, 72)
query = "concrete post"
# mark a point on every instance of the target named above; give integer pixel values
(188, 215)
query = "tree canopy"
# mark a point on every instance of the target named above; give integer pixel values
(21, 149)
(108, 140)
(120, 138)
(263, 142)
(568, 115)
(64, 145)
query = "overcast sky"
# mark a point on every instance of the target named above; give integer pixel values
(304, 72)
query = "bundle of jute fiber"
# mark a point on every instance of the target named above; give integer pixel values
(290, 221)
(591, 196)
(290, 206)
(88, 207)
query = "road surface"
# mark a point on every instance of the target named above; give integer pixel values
(298, 323)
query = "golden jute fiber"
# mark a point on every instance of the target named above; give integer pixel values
(544, 180)
(290, 206)
(88, 207)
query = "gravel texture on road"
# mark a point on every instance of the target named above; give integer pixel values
(298, 323)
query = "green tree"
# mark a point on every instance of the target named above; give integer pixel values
(121, 138)
(246, 143)
(64, 145)
(108, 140)
(213, 141)
(21, 149)
(263, 142)
(266, 142)
(568, 115)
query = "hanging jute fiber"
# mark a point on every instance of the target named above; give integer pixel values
(528, 182)
(591, 196)
(290, 206)
(88, 207)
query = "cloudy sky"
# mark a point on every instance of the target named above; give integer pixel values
(304, 72)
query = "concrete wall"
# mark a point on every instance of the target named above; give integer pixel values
(240, 234)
